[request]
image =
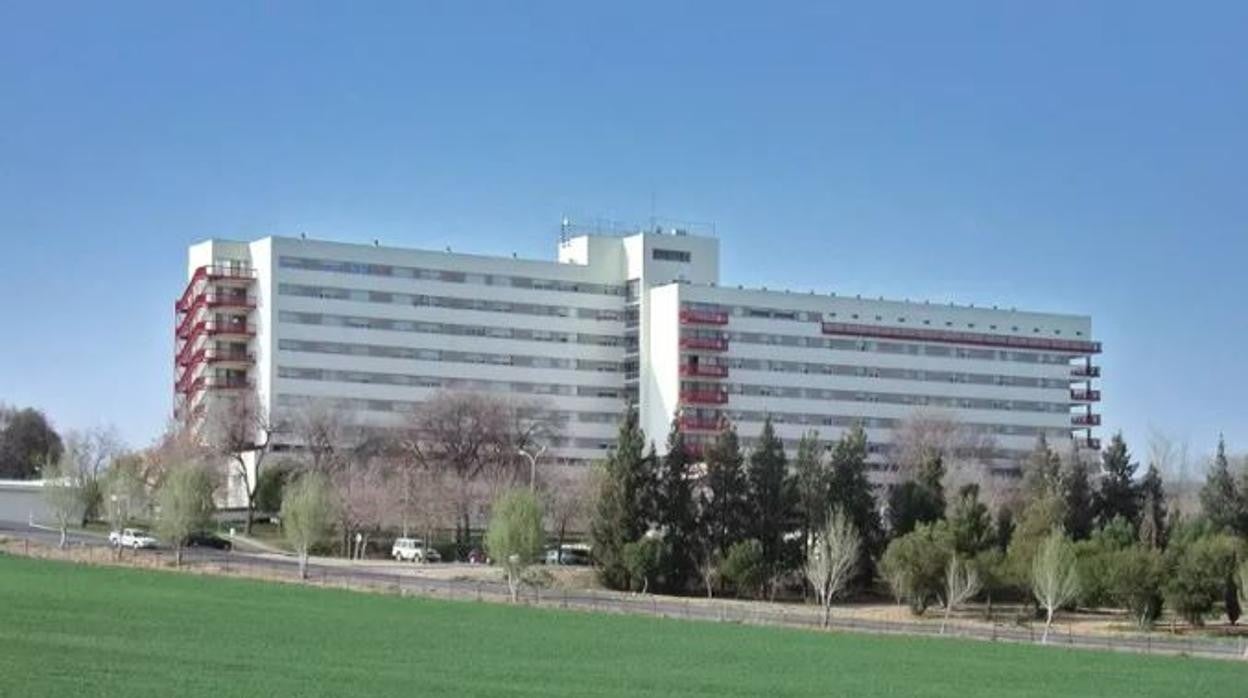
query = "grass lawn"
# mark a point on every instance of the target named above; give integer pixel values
(69, 630)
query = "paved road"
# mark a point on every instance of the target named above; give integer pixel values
(409, 579)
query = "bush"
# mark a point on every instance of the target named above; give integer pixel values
(270, 485)
(1134, 582)
(1198, 574)
(514, 538)
(743, 567)
(915, 565)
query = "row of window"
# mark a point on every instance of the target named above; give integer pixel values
(447, 328)
(815, 316)
(448, 383)
(894, 373)
(882, 346)
(450, 276)
(452, 302)
(848, 421)
(458, 357)
(965, 403)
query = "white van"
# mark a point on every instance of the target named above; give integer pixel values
(413, 550)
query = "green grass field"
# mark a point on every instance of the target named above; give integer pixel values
(68, 630)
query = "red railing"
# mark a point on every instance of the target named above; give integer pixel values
(707, 343)
(1085, 371)
(211, 272)
(703, 371)
(955, 337)
(703, 317)
(1086, 420)
(704, 397)
(209, 382)
(699, 424)
(1085, 395)
(213, 327)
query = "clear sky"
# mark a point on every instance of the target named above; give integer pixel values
(1068, 156)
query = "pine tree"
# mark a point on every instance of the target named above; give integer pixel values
(1076, 491)
(918, 501)
(850, 490)
(970, 523)
(1220, 498)
(620, 516)
(772, 498)
(723, 509)
(1118, 494)
(813, 478)
(1153, 522)
(675, 515)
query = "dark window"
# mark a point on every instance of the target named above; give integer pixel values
(670, 255)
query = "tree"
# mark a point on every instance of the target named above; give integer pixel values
(970, 524)
(961, 585)
(812, 480)
(91, 452)
(644, 560)
(833, 552)
(27, 443)
(1198, 572)
(1220, 498)
(1042, 471)
(1035, 524)
(1153, 509)
(744, 567)
(238, 429)
(62, 490)
(1135, 580)
(184, 505)
(565, 498)
(772, 499)
(514, 537)
(915, 565)
(307, 510)
(910, 504)
(676, 516)
(1076, 493)
(1118, 494)
(851, 492)
(723, 499)
(1054, 577)
(125, 492)
(620, 511)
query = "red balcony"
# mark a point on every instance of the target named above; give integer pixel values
(212, 272)
(1085, 395)
(705, 343)
(1072, 346)
(1083, 371)
(699, 424)
(704, 397)
(1086, 420)
(215, 355)
(703, 317)
(210, 382)
(703, 371)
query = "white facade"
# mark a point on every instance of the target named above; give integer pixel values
(617, 319)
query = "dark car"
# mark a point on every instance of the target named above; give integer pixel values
(207, 539)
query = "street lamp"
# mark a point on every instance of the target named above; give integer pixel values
(532, 464)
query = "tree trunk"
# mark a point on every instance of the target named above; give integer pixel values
(944, 622)
(177, 556)
(303, 563)
(1048, 621)
(63, 538)
(251, 512)
(827, 611)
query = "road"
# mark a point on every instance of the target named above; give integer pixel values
(408, 579)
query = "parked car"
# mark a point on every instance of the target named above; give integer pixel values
(132, 538)
(568, 554)
(413, 550)
(207, 539)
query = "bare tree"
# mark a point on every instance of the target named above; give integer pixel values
(566, 497)
(91, 451)
(967, 455)
(832, 558)
(125, 492)
(1171, 457)
(961, 585)
(1054, 577)
(364, 497)
(238, 428)
(62, 490)
(326, 433)
(184, 505)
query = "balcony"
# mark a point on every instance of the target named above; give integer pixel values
(1086, 420)
(703, 397)
(210, 382)
(211, 272)
(703, 317)
(704, 343)
(703, 371)
(1083, 371)
(1085, 395)
(698, 424)
(214, 355)
(1072, 346)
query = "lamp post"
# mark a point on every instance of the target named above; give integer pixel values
(532, 464)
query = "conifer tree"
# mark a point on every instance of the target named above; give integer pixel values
(918, 501)
(723, 509)
(1076, 492)
(1042, 471)
(851, 492)
(772, 499)
(813, 478)
(620, 516)
(1220, 498)
(1118, 494)
(675, 515)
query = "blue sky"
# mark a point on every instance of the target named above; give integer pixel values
(1063, 157)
